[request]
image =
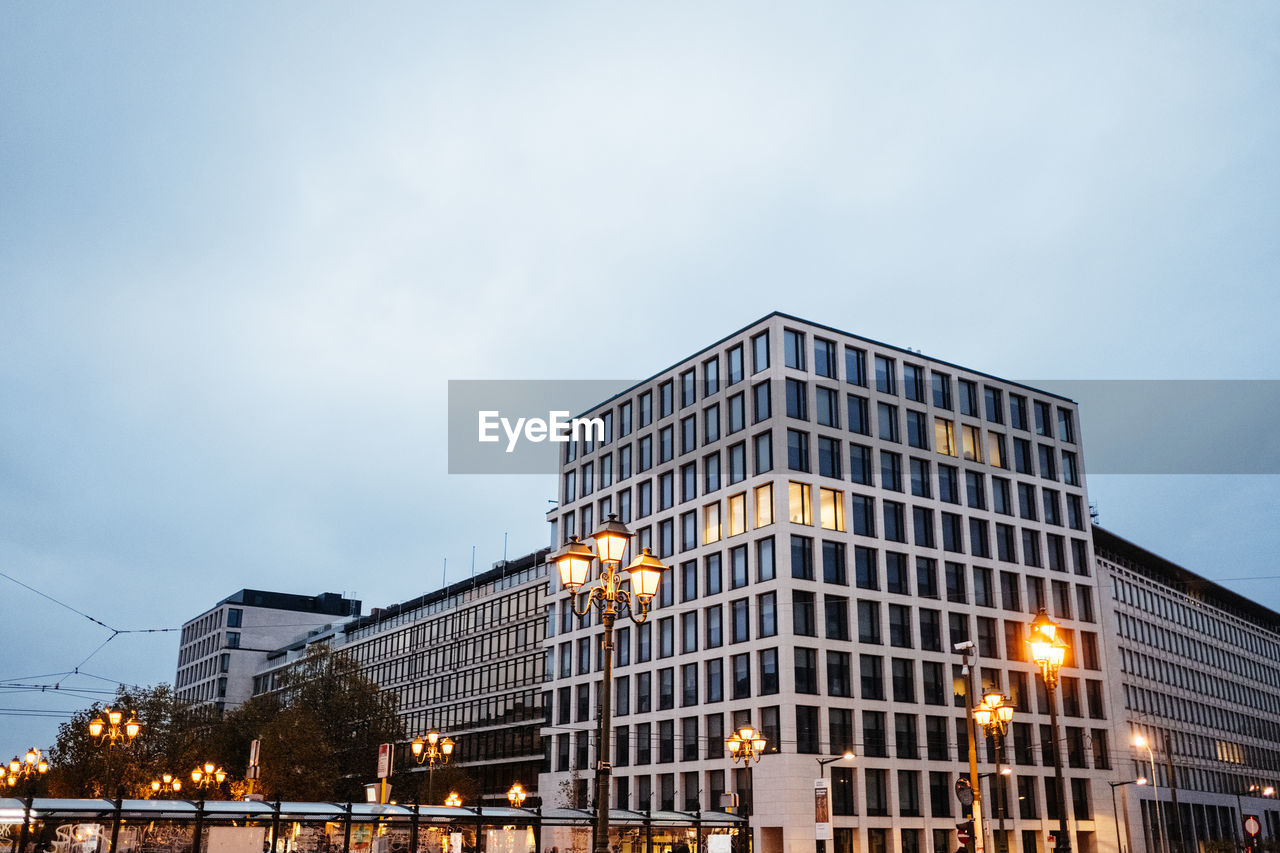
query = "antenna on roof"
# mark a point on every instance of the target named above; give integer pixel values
(444, 572)
(473, 562)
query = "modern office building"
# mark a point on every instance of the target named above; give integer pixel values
(837, 514)
(222, 648)
(1197, 671)
(466, 660)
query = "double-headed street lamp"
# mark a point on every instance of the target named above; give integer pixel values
(28, 768)
(1048, 651)
(574, 565)
(993, 713)
(431, 751)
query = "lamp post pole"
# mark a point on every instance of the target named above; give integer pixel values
(574, 565)
(111, 732)
(1049, 651)
(30, 768)
(994, 714)
(1141, 742)
(434, 750)
(822, 771)
(747, 745)
(975, 782)
(1115, 812)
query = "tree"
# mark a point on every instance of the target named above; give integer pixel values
(168, 742)
(320, 732)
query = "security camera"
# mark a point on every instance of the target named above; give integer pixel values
(966, 646)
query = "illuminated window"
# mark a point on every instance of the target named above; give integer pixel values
(944, 436)
(798, 503)
(737, 514)
(711, 523)
(995, 450)
(764, 505)
(972, 438)
(831, 508)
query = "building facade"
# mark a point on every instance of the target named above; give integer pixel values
(1198, 676)
(466, 661)
(221, 649)
(836, 514)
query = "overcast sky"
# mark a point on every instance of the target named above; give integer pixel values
(244, 246)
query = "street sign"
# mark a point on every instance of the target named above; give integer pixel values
(964, 832)
(384, 760)
(964, 791)
(1251, 824)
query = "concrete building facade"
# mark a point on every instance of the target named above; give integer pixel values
(837, 514)
(1197, 673)
(467, 661)
(221, 649)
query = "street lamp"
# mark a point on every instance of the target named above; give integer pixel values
(28, 768)
(1252, 791)
(1048, 652)
(993, 713)
(165, 784)
(822, 773)
(516, 795)
(1141, 742)
(114, 731)
(747, 745)
(1115, 813)
(574, 565)
(453, 800)
(434, 750)
(207, 777)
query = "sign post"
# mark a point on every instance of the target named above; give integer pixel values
(385, 753)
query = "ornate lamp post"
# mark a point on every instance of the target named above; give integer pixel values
(28, 768)
(109, 733)
(207, 777)
(994, 714)
(574, 564)
(747, 745)
(1048, 651)
(453, 800)
(167, 783)
(432, 751)
(516, 795)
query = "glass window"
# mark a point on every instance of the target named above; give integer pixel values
(760, 352)
(793, 348)
(855, 366)
(886, 380)
(735, 365)
(824, 357)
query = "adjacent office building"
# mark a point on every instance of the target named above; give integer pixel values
(1197, 672)
(222, 648)
(837, 514)
(466, 660)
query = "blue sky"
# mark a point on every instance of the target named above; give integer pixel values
(243, 248)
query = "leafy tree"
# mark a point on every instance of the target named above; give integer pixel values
(169, 742)
(320, 732)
